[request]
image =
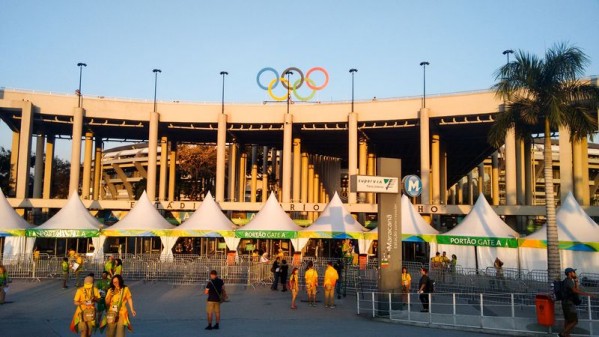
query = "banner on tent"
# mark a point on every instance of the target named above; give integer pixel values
(330, 235)
(477, 241)
(62, 233)
(12, 232)
(258, 234)
(563, 245)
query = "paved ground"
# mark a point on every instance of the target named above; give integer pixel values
(44, 309)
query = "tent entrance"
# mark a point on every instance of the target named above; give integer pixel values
(60, 246)
(133, 245)
(269, 246)
(202, 246)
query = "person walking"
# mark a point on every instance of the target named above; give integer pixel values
(311, 278)
(330, 279)
(84, 319)
(424, 288)
(65, 272)
(103, 285)
(215, 289)
(283, 274)
(118, 267)
(406, 281)
(339, 268)
(294, 286)
(3, 283)
(571, 298)
(276, 272)
(78, 268)
(117, 317)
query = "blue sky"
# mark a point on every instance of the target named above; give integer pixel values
(192, 41)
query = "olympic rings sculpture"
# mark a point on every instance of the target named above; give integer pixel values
(274, 82)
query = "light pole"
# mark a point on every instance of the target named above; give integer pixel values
(288, 73)
(155, 71)
(79, 99)
(223, 73)
(507, 54)
(424, 64)
(352, 72)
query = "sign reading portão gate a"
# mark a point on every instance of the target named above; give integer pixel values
(259, 234)
(477, 241)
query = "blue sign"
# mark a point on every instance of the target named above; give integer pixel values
(412, 185)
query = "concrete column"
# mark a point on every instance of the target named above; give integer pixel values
(529, 183)
(510, 168)
(310, 188)
(565, 162)
(297, 163)
(280, 170)
(495, 177)
(254, 155)
(152, 155)
(304, 179)
(460, 186)
(586, 193)
(14, 158)
(38, 176)
(444, 190)
(264, 187)
(233, 149)
(481, 178)
(425, 156)
(78, 114)
(254, 183)
(316, 189)
(577, 170)
(352, 157)
(163, 168)
(520, 171)
(48, 166)
(87, 165)
(221, 148)
(370, 171)
(97, 169)
(362, 164)
(24, 152)
(242, 179)
(265, 160)
(470, 189)
(436, 168)
(172, 172)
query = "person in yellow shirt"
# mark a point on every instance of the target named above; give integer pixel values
(311, 277)
(118, 267)
(84, 319)
(294, 286)
(406, 281)
(116, 299)
(330, 279)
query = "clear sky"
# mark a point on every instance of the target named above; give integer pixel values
(192, 41)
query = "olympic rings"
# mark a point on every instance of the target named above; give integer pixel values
(296, 85)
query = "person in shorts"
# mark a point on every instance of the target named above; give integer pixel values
(214, 290)
(311, 277)
(571, 299)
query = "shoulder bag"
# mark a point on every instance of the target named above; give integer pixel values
(222, 296)
(112, 316)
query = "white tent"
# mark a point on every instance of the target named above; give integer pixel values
(12, 228)
(72, 221)
(482, 229)
(271, 222)
(335, 222)
(145, 220)
(209, 221)
(578, 241)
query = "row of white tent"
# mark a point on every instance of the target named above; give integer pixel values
(477, 240)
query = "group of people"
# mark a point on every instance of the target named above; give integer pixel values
(441, 264)
(103, 305)
(426, 285)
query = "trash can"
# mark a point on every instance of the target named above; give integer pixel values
(545, 310)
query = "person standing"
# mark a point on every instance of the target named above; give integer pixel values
(118, 267)
(424, 288)
(311, 278)
(294, 287)
(84, 319)
(117, 317)
(215, 289)
(444, 265)
(453, 264)
(65, 272)
(3, 283)
(109, 266)
(276, 272)
(498, 264)
(330, 279)
(103, 285)
(406, 281)
(571, 298)
(283, 274)
(78, 268)
(339, 268)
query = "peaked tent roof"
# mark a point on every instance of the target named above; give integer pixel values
(482, 221)
(335, 222)
(73, 220)
(271, 221)
(207, 220)
(142, 220)
(12, 224)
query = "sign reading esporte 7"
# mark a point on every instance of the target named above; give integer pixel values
(374, 184)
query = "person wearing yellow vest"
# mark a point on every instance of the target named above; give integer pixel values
(330, 279)
(84, 319)
(406, 281)
(109, 266)
(78, 268)
(117, 298)
(294, 286)
(311, 278)
(65, 272)
(118, 267)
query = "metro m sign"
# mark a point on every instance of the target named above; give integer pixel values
(374, 184)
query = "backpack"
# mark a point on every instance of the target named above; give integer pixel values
(558, 290)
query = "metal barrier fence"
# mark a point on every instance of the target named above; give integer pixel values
(508, 312)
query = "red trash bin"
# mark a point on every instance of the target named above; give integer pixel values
(545, 310)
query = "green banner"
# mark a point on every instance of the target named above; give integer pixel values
(258, 234)
(477, 241)
(62, 233)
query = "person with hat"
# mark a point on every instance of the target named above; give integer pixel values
(84, 319)
(571, 298)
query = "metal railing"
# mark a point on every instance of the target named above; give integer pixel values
(503, 312)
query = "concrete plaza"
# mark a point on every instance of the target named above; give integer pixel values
(45, 309)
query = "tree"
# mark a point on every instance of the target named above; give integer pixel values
(197, 168)
(5, 167)
(61, 175)
(541, 95)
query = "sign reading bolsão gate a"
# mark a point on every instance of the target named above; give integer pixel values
(264, 234)
(477, 241)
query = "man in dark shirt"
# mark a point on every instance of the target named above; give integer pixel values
(276, 273)
(424, 289)
(339, 268)
(215, 290)
(570, 300)
(284, 271)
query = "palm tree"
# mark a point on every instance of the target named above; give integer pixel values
(541, 95)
